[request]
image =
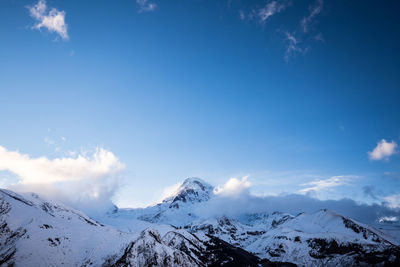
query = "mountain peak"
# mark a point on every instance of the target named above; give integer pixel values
(191, 190)
(196, 183)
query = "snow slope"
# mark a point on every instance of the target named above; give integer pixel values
(34, 232)
(176, 209)
(320, 238)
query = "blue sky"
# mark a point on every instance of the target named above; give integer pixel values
(292, 94)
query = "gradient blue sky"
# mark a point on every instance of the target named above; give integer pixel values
(209, 89)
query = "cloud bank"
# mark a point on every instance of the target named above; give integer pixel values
(393, 201)
(240, 204)
(79, 181)
(241, 201)
(53, 20)
(383, 150)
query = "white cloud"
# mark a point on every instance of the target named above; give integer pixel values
(390, 219)
(233, 187)
(45, 171)
(271, 9)
(53, 20)
(393, 201)
(383, 150)
(75, 180)
(292, 46)
(327, 184)
(314, 11)
(146, 5)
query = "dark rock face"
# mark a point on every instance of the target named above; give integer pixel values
(359, 229)
(362, 255)
(189, 250)
(224, 254)
(8, 238)
(275, 223)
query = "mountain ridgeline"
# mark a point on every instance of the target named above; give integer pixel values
(35, 232)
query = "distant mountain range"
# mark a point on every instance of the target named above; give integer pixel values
(35, 232)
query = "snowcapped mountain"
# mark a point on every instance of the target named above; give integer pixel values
(192, 190)
(321, 238)
(177, 209)
(35, 232)
(317, 239)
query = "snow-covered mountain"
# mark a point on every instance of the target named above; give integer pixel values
(320, 238)
(317, 239)
(35, 232)
(176, 209)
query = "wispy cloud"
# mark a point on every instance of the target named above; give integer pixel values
(297, 34)
(146, 5)
(53, 20)
(315, 10)
(326, 184)
(383, 150)
(293, 46)
(271, 9)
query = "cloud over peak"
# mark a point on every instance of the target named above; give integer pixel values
(53, 20)
(383, 150)
(233, 187)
